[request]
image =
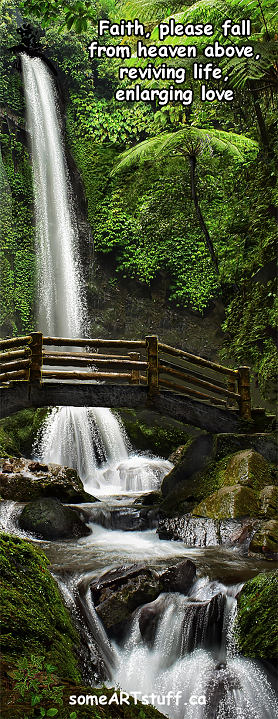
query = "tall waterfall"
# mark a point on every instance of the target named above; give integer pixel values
(77, 437)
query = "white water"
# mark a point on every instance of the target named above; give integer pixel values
(219, 683)
(73, 436)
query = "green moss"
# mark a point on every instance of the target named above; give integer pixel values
(257, 619)
(18, 431)
(34, 619)
(152, 433)
(229, 503)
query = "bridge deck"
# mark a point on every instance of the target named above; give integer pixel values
(37, 371)
(184, 409)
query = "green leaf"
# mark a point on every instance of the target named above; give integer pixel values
(52, 712)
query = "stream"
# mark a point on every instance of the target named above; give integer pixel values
(193, 655)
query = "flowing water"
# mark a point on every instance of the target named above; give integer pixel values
(189, 667)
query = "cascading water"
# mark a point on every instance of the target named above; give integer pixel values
(87, 438)
(189, 668)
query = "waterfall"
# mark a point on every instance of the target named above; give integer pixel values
(185, 661)
(77, 437)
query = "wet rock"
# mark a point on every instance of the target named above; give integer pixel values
(180, 577)
(47, 518)
(269, 501)
(265, 540)
(229, 502)
(118, 593)
(204, 532)
(193, 531)
(24, 480)
(149, 617)
(247, 468)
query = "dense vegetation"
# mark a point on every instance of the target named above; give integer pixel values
(141, 206)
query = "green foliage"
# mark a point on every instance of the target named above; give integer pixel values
(36, 683)
(77, 14)
(250, 329)
(34, 620)
(257, 625)
(17, 254)
(105, 121)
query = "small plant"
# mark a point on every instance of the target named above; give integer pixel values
(36, 682)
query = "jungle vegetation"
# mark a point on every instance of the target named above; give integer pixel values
(184, 193)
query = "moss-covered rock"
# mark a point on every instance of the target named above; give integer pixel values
(257, 618)
(229, 503)
(34, 619)
(184, 489)
(247, 468)
(24, 480)
(269, 501)
(18, 432)
(265, 540)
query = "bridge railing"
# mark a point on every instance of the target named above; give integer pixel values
(35, 358)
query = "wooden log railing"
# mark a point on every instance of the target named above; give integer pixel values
(37, 359)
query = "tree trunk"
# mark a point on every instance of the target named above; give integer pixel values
(193, 163)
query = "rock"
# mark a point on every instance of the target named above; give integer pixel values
(118, 593)
(265, 540)
(269, 501)
(265, 444)
(149, 618)
(204, 532)
(47, 518)
(176, 456)
(180, 577)
(24, 480)
(257, 617)
(229, 502)
(247, 468)
(194, 458)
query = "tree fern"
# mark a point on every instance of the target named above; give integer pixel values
(190, 140)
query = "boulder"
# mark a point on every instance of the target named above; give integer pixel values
(269, 501)
(47, 518)
(229, 502)
(247, 468)
(193, 459)
(118, 593)
(179, 578)
(265, 540)
(24, 480)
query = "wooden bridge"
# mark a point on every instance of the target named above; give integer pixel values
(37, 371)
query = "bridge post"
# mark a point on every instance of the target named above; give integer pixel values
(152, 357)
(135, 373)
(244, 391)
(36, 357)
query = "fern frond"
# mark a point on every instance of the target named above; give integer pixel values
(192, 140)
